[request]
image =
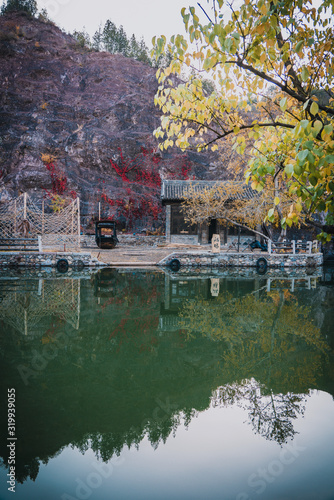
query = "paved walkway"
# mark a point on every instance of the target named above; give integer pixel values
(129, 255)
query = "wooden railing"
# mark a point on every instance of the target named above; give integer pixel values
(25, 244)
(293, 247)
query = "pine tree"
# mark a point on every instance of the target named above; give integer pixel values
(109, 37)
(29, 6)
(97, 40)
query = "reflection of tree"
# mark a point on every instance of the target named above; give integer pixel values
(157, 428)
(267, 334)
(118, 378)
(269, 414)
(271, 337)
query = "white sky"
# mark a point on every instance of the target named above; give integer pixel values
(145, 18)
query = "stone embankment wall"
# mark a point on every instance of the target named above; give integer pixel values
(38, 260)
(208, 259)
(88, 241)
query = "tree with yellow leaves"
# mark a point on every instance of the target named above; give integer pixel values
(282, 44)
(233, 204)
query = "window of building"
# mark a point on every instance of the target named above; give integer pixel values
(178, 224)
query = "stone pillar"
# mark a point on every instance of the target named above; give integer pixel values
(168, 223)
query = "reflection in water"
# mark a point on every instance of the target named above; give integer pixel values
(25, 303)
(271, 415)
(102, 360)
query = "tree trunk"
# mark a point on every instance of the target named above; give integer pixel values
(327, 228)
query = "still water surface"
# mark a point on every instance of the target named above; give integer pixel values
(132, 384)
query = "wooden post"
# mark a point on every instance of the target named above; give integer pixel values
(72, 222)
(79, 303)
(78, 203)
(25, 323)
(25, 205)
(43, 217)
(15, 214)
(40, 246)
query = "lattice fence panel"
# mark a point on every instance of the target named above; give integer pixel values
(22, 218)
(24, 310)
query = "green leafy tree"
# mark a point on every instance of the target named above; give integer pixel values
(115, 40)
(122, 41)
(82, 37)
(163, 60)
(143, 54)
(109, 37)
(44, 16)
(29, 6)
(260, 46)
(97, 39)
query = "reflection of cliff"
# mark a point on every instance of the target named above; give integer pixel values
(119, 376)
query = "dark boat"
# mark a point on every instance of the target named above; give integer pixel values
(106, 283)
(105, 234)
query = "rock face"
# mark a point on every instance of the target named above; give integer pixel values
(81, 107)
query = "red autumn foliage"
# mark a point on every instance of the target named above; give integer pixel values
(141, 200)
(58, 182)
(142, 169)
(58, 179)
(180, 171)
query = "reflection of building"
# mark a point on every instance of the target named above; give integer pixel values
(306, 282)
(180, 231)
(181, 287)
(176, 292)
(24, 303)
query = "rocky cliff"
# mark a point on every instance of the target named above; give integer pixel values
(80, 107)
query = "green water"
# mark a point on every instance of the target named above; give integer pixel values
(132, 384)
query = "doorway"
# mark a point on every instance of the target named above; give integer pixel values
(212, 228)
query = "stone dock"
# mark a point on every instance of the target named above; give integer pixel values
(239, 259)
(129, 256)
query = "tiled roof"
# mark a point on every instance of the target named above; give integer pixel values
(174, 190)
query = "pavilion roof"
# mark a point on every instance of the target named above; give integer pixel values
(175, 190)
